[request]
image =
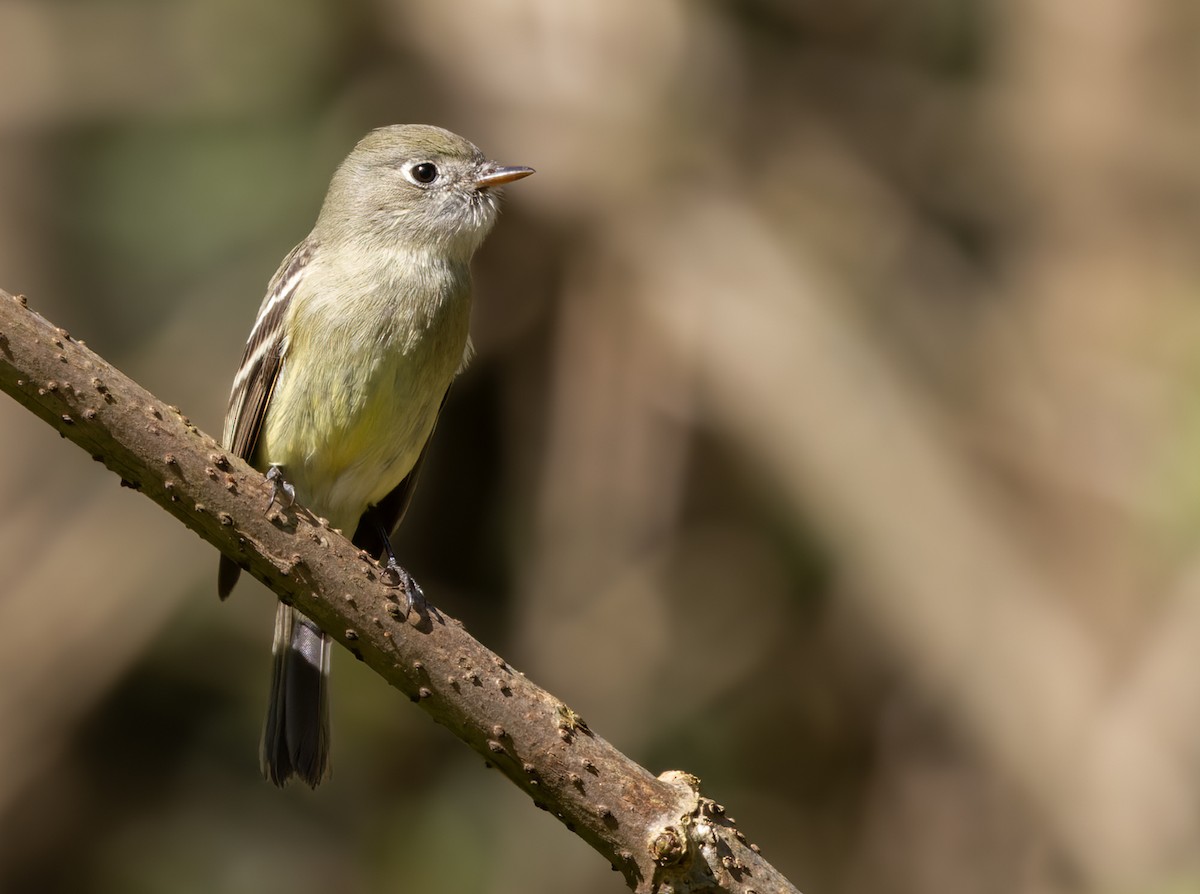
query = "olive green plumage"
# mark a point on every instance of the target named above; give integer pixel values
(362, 330)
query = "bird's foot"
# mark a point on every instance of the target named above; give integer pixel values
(414, 597)
(283, 492)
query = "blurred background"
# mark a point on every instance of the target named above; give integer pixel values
(832, 436)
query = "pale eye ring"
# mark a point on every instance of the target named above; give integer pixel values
(424, 172)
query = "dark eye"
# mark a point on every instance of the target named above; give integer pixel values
(425, 172)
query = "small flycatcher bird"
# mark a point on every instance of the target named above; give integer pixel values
(362, 330)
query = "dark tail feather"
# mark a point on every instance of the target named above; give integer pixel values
(296, 735)
(227, 575)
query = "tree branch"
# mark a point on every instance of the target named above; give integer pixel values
(660, 833)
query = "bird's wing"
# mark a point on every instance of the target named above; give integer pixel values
(255, 379)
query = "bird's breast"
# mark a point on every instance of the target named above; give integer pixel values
(359, 390)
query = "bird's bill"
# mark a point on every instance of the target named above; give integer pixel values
(495, 175)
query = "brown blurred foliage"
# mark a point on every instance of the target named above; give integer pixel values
(832, 436)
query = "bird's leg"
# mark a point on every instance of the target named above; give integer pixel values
(280, 488)
(397, 576)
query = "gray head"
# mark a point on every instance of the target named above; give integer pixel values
(416, 186)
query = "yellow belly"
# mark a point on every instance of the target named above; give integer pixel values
(346, 430)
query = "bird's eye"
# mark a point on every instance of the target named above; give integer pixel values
(425, 172)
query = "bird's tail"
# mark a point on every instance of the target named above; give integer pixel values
(295, 738)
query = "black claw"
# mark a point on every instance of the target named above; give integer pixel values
(393, 574)
(398, 577)
(280, 488)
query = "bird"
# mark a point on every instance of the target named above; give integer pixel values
(362, 330)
